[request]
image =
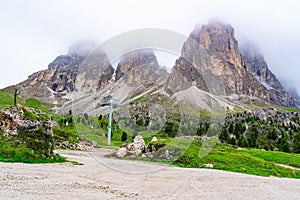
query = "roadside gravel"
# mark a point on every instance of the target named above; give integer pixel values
(103, 178)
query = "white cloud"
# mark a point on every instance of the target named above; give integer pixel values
(34, 32)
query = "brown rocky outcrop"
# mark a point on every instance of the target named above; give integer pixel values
(106, 76)
(69, 73)
(14, 120)
(259, 68)
(139, 67)
(27, 126)
(212, 56)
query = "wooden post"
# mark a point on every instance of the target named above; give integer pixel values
(16, 93)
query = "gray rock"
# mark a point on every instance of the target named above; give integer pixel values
(134, 149)
(139, 67)
(154, 139)
(122, 152)
(66, 73)
(138, 152)
(208, 165)
(139, 143)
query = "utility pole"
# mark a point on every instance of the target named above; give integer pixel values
(109, 122)
(109, 102)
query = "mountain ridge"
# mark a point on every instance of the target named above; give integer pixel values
(260, 70)
(210, 59)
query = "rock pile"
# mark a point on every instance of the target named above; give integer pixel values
(133, 149)
(29, 126)
(139, 149)
(82, 146)
(14, 120)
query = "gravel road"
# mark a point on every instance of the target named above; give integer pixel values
(103, 178)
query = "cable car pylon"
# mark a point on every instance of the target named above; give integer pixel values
(108, 101)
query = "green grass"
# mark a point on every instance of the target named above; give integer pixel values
(257, 103)
(140, 99)
(65, 134)
(250, 161)
(290, 109)
(34, 103)
(147, 135)
(223, 157)
(92, 131)
(7, 98)
(12, 152)
(90, 134)
(276, 157)
(238, 109)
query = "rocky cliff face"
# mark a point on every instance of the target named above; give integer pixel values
(212, 54)
(210, 61)
(57, 80)
(106, 77)
(95, 72)
(292, 91)
(261, 72)
(183, 76)
(81, 72)
(139, 67)
(68, 73)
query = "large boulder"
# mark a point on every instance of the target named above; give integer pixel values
(132, 149)
(139, 143)
(122, 152)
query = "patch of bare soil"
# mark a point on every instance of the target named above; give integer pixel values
(105, 178)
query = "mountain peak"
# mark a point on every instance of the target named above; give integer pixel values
(216, 38)
(213, 51)
(216, 26)
(81, 48)
(139, 67)
(135, 59)
(210, 60)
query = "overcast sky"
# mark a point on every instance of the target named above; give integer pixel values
(33, 33)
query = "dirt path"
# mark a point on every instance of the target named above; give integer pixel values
(102, 178)
(288, 166)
